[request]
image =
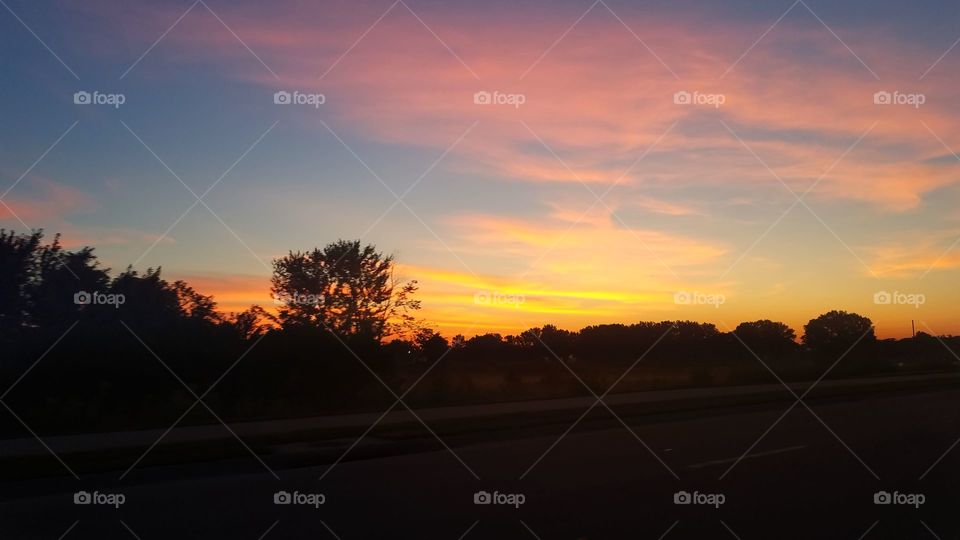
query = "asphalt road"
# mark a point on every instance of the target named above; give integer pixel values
(812, 475)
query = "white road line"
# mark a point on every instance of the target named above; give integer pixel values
(758, 454)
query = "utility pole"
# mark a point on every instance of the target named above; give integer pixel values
(913, 325)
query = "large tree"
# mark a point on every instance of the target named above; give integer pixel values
(836, 332)
(768, 339)
(346, 288)
(38, 281)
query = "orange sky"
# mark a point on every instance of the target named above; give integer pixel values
(598, 199)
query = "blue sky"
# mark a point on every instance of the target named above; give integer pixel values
(509, 201)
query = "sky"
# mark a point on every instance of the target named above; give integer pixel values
(529, 163)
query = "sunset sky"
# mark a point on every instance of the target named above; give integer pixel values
(596, 200)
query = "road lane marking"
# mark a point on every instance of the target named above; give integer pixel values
(758, 454)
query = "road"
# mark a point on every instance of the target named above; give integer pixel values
(295, 427)
(809, 473)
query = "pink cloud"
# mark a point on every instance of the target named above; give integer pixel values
(39, 200)
(598, 99)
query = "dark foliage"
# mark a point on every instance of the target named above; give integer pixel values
(83, 350)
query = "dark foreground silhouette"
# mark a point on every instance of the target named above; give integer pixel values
(85, 350)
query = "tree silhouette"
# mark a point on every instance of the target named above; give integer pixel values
(348, 289)
(835, 332)
(38, 282)
(767, 338)
(430, 344)
(195, 305)
(18, 271)
(252, 322)
(100, 376)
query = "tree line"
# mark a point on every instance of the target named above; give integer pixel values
(84, 348)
